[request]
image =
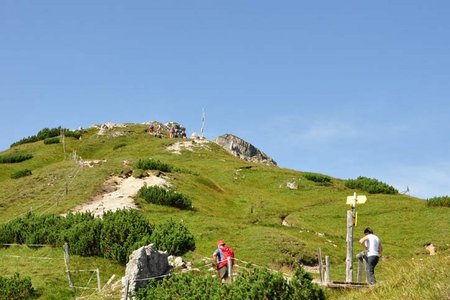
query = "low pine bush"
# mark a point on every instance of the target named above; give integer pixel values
(173, 237)
(32, 229)
(443, 201)
(83, 238)
(51, 140)
(15, 287)
(160, 196)
(370, 185)
(114, 237)
(319, 178)
(47, 133)
(153, 164)
(43, 229)
(53, 132)
(30, 139)
(21, 173)
(15, 158)
(121, 230)
(255, 284)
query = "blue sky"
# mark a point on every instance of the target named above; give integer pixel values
(344, 88)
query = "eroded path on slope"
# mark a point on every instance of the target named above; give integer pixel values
(119, 193)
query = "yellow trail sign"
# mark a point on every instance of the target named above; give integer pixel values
(352, 200)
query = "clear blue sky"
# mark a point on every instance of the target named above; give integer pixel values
(345, 88)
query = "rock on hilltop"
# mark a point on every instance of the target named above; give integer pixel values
(242, 149)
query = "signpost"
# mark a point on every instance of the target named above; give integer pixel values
(351, 222)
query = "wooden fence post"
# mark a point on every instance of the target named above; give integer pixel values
(230, 268)
(319, 257)
(360, 268)
(99, 285)
(66, 261)
(349, 258)
(327, 269)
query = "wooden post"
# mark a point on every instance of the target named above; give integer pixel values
(66, 261)
(360, 268)
(327, 269)
(230, 269)
(108, 283)
(319, 257)
(63, 142)
(349, 258)
(98, 280)
(66, 255)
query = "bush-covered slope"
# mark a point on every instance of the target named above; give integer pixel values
(240, 202)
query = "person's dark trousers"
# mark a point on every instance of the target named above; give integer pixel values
(372, 261)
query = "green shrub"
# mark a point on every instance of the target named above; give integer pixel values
(43, 229)
(53, 132)
(51, 140)
(14, 157)
(16, 288)
(255, 284)
(443, 201)
(72, 219)
(83, 238)
(161, 196)
(49, 133)
(120, 232)
(303, 287)
(319, 178)
(173, 237)
(21, 173)
(30, 139)
(153, 164)
(120, 145)
(114, 237)
(370, 185)
(11, 232)
(31, 229)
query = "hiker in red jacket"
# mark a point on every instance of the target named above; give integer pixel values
(220, 258)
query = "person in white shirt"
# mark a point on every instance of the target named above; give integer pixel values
(373, 249)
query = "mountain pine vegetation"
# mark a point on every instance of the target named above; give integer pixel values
(222, 197)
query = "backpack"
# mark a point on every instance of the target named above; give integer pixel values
(226, 252)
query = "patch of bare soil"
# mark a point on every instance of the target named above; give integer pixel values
(189, 145)
(118, 193)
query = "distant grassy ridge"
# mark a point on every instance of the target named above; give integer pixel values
(240, 202)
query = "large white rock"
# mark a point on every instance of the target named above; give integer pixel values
(144, 263)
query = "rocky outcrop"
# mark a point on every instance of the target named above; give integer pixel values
(145, 262)
(108, 127)
(242, 149)
(431, 248)
(172, 129)
(292, 184)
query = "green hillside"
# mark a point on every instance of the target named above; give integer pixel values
(240, 202)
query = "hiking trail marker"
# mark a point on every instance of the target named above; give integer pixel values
(352, 219)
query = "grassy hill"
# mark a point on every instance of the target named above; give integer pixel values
(240, 202)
